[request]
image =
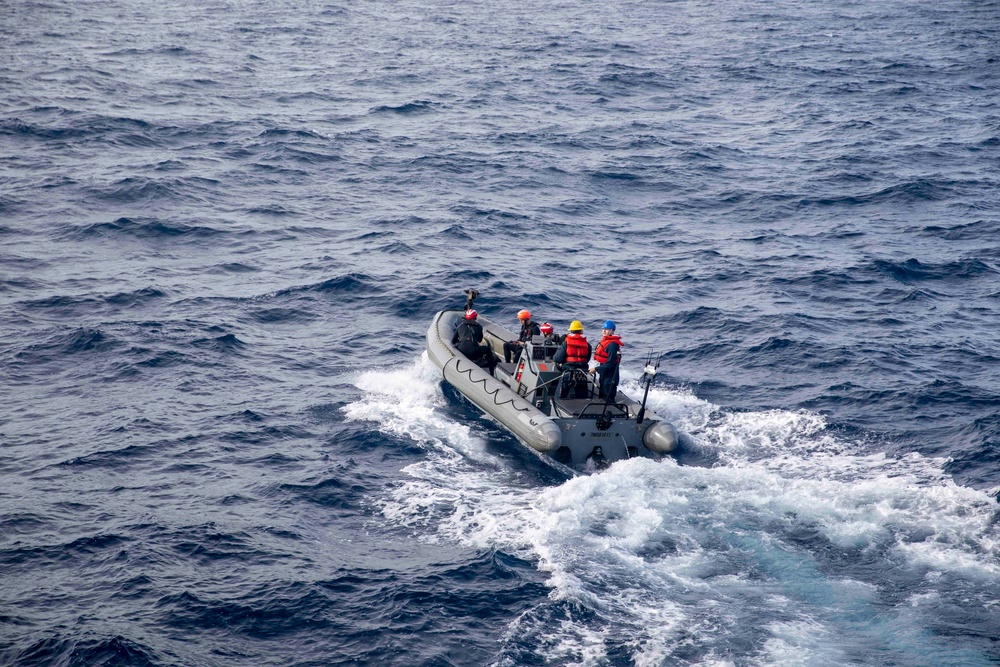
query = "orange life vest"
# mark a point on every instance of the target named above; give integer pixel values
(601, 353)
(577, 349)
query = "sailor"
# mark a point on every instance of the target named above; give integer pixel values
(573, 354)
(468, 338)
(552, 340)
(512, 348)
(608, 356)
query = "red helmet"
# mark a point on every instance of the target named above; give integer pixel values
(523, 315)
(471, 314)
(546, 329)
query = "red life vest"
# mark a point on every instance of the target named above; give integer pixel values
(577, 349)
(601, 354)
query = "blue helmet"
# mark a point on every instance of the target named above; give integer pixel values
(609, 325)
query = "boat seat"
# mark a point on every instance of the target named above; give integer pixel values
(573, 407)
(509, 369)
(570, 407)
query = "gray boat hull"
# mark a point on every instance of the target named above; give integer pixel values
(580, 433)
(519, 416)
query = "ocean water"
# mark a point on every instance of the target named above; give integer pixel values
(225, 227)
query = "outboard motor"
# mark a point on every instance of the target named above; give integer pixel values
(596, 456)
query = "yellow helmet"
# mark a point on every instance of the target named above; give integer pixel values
(576, 325)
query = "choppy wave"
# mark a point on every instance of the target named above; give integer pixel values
(147, 229)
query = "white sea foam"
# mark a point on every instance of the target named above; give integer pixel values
(663, 557)
(801, 642)
(450, 492)
(408, 402)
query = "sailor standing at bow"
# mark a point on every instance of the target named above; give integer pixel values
(608, 356)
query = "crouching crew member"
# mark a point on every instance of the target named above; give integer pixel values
(512, 348)
(574, 353)
(608, 356)
(468, 338)
(552, 339)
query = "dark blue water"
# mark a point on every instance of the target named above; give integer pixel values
(224, 228)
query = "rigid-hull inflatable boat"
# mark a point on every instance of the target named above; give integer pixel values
(582, 431)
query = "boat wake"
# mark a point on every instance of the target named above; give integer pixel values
(794, 547)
